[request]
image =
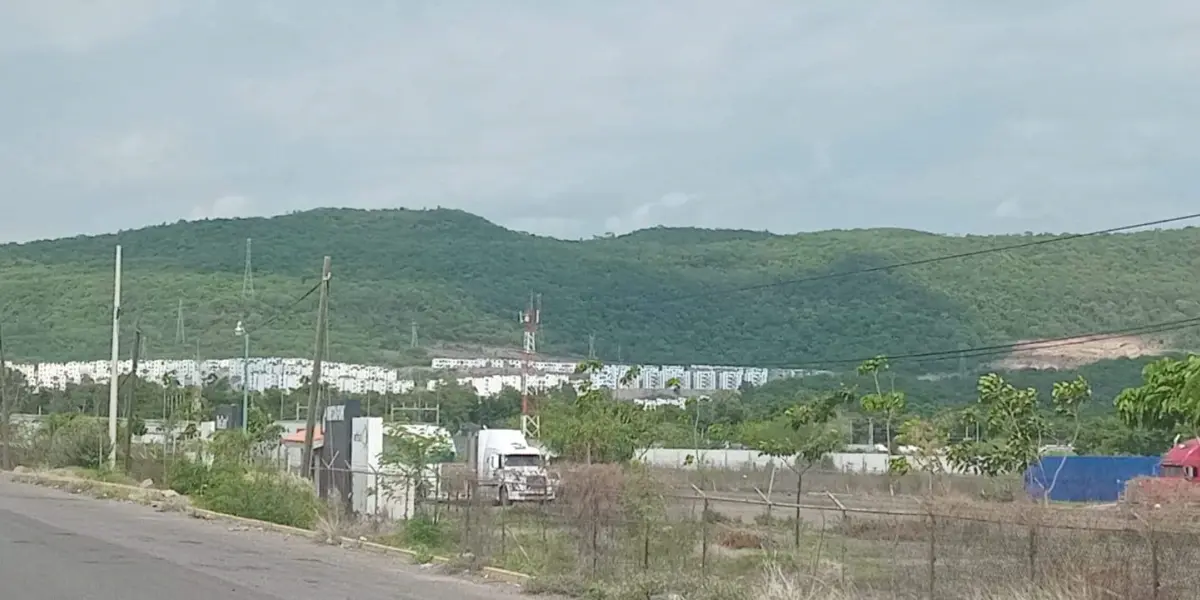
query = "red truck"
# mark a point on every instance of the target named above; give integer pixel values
(1178, 473)
(1182, 461)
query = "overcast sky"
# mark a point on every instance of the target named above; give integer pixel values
(576, 117)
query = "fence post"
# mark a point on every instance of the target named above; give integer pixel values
(646, 546)
(932, 555)
(766, 498)
(595, 536)
(1033, 577)
(503, 532)
(466, 537)
(844, 535)
(704, 540)
(542, 511)
(1155, 570)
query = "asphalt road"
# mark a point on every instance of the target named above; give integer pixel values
(56, 546)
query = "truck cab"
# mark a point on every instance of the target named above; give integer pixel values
(1182, 461)
(507, 466)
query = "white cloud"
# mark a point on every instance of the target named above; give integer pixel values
(570, 118)
(75, 25)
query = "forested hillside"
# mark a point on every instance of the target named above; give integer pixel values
(654, 295)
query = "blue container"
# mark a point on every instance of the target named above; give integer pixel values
(1087, 478)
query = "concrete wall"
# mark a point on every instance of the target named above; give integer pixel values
(740, 460)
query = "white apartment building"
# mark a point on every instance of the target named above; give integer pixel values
(290, 373)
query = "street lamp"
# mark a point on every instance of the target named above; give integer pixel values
(241, 332)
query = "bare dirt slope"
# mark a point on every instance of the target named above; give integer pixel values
(1077, 352)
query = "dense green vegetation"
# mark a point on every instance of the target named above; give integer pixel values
(938, 399)
(652, 294)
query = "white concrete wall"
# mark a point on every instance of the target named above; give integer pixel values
(744, 460)
(738, 460)
(377, 490)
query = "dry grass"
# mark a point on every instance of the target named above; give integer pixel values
(882, 486)
(1164, 492)
(1018, 549)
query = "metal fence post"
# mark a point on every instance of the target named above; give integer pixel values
(704, 540)
(646, 546)
(932, 555)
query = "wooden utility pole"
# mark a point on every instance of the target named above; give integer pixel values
(314, 389)
(131, 398)
(5, 430)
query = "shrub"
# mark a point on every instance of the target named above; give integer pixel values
(424, 532)
(266, 496)
(77, 441)
(188, 477)
(741, 539)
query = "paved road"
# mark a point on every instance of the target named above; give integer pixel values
(55, 546)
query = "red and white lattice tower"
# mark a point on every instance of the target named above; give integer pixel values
(531, 318)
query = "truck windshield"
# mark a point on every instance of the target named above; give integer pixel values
(522, 460)
(1172, 471)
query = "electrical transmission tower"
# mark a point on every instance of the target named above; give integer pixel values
(180, 332)
(414, 342)
(532, 317)
(592, 346)
(248, 276)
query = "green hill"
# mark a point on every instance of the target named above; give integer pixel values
(655, 294)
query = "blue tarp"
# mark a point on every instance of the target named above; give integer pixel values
(1087, 478)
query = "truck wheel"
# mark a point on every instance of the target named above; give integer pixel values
(503, 495)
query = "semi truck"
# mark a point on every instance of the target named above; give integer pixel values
(1182, 461)
(1176, 480)
(507, 468)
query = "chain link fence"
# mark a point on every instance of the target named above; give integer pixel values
(915, 548)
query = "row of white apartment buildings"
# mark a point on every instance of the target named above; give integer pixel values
(650, 377)
(290, 373)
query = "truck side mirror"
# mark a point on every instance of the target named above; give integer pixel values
(494, 461)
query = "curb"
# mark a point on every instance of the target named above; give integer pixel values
(35, 478)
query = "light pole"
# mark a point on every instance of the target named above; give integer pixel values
(240, 331)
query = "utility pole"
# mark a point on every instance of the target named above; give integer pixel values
(114, 366)
(318, 355)
(131, 396)
(244, 333)
(5, 429)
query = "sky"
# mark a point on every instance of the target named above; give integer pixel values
(576, 118)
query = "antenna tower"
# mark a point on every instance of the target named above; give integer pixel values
(248, 276)
(531, 318)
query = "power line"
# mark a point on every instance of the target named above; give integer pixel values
(937, 259)
(282, 311)
(999, 349)
(649, 301)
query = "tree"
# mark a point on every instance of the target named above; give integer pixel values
(805, 434)
(1169, 397)
(1015, 429)
(1068, 398)
(412, 452)
(887, 405)
(1110, 435)
(593, 428)
(928, 439)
